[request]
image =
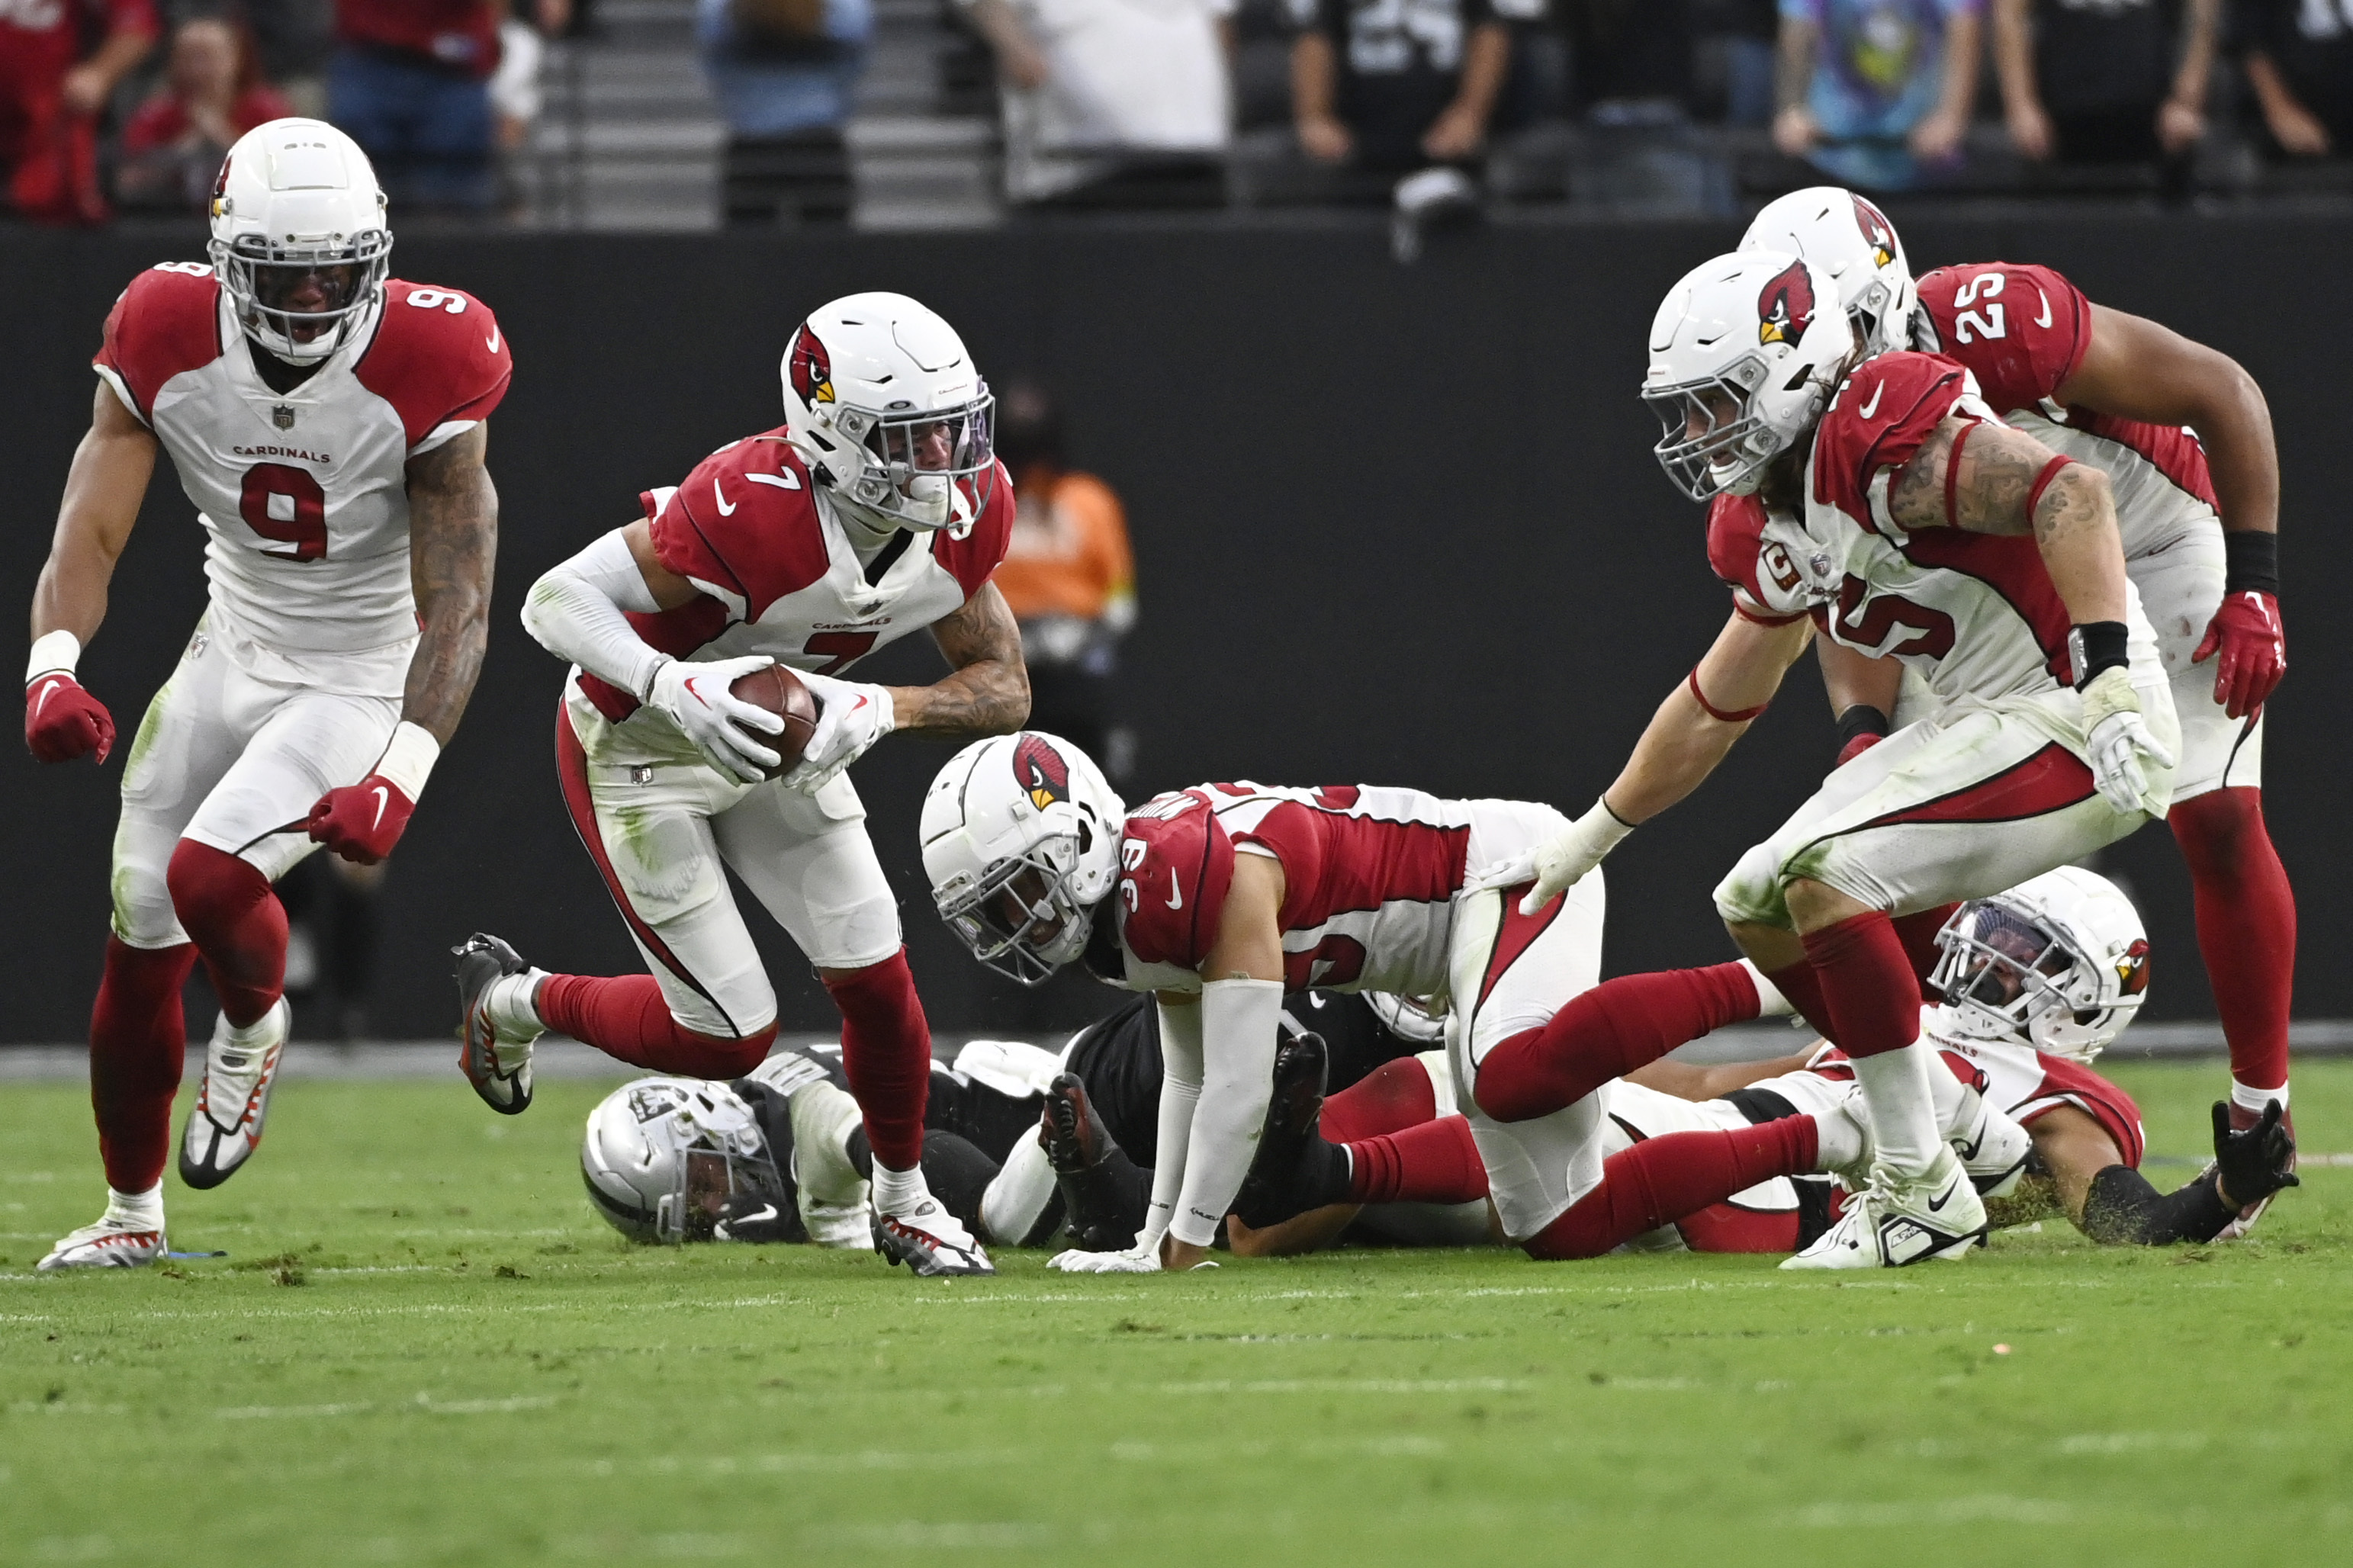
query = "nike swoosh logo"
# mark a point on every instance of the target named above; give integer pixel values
(691, 691)
(721, 496)
(1937, 1204)
(494, 337)
(767, 1211)
(781, 481)
(1871, 407)
(383, 799)
(2043, 319)
(1176, 892)
(48, 690)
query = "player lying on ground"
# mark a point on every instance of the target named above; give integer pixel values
(877, 510)
(329, 426)
(2043, 977)
(1903, 518)
(2185, 438)
(1220, 898)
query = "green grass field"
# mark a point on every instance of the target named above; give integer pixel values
(424, 1348)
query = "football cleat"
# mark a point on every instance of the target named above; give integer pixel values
(930, 1242)
(1073, 1139)
(2244, 1120)
(224, 1128)
(1993, 1148)
(1293, 1114)
(496, 1062)
(114, 1242)
(1894, 1222)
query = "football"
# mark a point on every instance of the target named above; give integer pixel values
(779, 692)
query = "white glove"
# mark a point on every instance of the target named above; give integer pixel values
(1560, 862)
(696, 698)
(851, 716)
(2122, 753)
(1143, 1257)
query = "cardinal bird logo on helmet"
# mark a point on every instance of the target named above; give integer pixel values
(2132, 969)
(1785, 308)
(1877, 231)
(812, 367)
(220, 190)
(1044, 773)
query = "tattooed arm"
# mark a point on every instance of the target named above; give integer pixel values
(1979, 475)
(987, 693)
(453, 544)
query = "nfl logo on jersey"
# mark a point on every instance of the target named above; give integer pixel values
(283, 416)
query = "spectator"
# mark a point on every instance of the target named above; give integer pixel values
(1069, 579)
(52, 98)
(211, 94)
(2298, 55)
(1386, 87)
(783, 70)
(1877, 92)
(2095, 81)
(411, 84)
(292, 40)
(1091, 84)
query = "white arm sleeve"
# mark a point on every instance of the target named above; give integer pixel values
(1180, 1092)
(575, 612)
(1239, 1030)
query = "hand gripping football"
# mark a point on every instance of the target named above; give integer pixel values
(780, 692)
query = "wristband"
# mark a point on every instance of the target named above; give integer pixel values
(1860, 719)
(52, 652)
(1721, 715)
(408, 760)
(2253, 564)
(2095, 646)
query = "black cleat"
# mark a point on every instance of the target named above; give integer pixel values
(498, 1067)
(1073, 1139)
(1287, 1177)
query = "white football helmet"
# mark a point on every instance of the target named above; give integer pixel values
(1745, 354)
(884, 404)
(296, 207)
(2061, 961)
(670, 1160)
(1021, 845)
(1851, 240)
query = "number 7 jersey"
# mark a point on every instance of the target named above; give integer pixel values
(304, 493)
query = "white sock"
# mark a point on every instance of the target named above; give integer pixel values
(1841, 1140)
(1013, 1201)
(1770, 1002)
(508, 1005)
(2254, 1100)
(1949, 1094)
(256, 1035)
(143, 1209)
(1895, 1086)
(899, 1192)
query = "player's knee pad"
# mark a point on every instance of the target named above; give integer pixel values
(1752, 892)
(143, 917)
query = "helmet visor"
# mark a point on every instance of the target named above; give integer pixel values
(1710, 439)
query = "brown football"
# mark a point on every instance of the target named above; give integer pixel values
(780, 692)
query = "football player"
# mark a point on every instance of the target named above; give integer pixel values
(1221, 898)
(328, 423)
(877, 509)
(2185, 438)
(1912, 523)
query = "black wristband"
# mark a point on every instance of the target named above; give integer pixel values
(2095, 646)
(1861, 719)
(2251, 562)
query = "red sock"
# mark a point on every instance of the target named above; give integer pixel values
(1867, 983)
(886, 1050)
(1721, 1227)
(238, 923)
(2246, 926)
(1664, 1179)
(1391, 1098)
(1435, 1163)
(138, 1034)
(625, 1016)
(1918, 934)
(1803, 988)
(1607, 1033)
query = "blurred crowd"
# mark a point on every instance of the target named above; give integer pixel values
(126, 104)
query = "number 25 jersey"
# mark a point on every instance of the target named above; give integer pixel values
(304, 493)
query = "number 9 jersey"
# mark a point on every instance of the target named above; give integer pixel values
(304, 493)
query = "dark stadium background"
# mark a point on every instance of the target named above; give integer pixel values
(1394, 524)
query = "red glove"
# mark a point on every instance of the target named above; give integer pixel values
(2246, 632)
(63, 721)
(1856, 747)
(361, 822)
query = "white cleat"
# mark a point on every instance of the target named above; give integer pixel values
(1894, 1222)
(495, 1060)
(1993, 1149)
(224, 1128)
(114, 1242)
(930, 1242)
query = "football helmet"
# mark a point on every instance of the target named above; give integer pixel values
(2060, 961)
(883, 401)
(1851, 240)
(296, 207)
(1745, 354)
(674, 1159)
(1020, 838)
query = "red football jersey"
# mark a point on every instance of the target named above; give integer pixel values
(40, 40)
(460, 35)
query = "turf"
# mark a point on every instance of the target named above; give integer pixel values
(424, 1348)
